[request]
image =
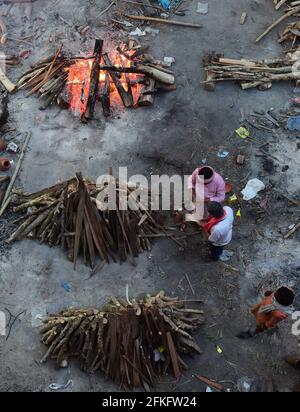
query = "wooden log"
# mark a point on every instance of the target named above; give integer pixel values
(18, 166)
(165, 21)
(94, 81)
(3, 186)
(10, 87)
(157, 74)
(292, 231)
(279, 4)
(105, 96)
(146, 97)
(209, 84)
(210, 383)
(271, 27)
(125, 96)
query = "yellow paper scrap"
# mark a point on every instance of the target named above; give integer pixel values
(242, 132)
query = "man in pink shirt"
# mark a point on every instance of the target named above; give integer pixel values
(214, 186)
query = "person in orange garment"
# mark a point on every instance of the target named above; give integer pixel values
(275, 307)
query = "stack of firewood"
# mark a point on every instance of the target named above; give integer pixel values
(249, 73)
(47, 78)
(134, 343)
(69, 214)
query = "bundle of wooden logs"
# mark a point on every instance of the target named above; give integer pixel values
(70, 215)
(134, 343)
(48, 78)
(249, 73)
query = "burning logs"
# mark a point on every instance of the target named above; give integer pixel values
(94, 82)
(126, 95)
(78, 82)
(68, 214)
(249, 73)
(134, 343)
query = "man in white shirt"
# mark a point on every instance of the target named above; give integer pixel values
(218, 230)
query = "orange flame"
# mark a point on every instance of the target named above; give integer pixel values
(78, 83)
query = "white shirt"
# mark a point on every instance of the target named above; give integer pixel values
(221, 233)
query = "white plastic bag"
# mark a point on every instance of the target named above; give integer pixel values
(251, 189)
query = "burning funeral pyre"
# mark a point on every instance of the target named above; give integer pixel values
(126, 75)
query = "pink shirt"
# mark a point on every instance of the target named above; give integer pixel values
(215, 190)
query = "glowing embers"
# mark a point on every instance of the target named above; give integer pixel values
(116, 88)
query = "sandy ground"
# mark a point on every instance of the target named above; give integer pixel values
(174, 136)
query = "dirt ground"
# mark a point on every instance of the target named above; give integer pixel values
(181, 130)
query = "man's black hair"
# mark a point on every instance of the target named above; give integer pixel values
(215, 209)
(206, 172)
(284, 296)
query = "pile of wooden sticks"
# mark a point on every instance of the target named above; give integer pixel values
(134, 343)
(249, 73)
(47, 78)
(66, 214)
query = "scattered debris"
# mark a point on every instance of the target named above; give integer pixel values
(210, 383)
(121, 341)
(57, 387)
(242, 132)
(240, 160)
(293, 123)
(292, 230)
(202, 8)
(243, 18)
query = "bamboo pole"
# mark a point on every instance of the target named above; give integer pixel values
(165, 21)
(8, 190)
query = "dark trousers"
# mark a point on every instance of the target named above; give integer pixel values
(216, 251)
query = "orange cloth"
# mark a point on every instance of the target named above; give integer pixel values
(267, 320)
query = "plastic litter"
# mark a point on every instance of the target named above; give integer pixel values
(38, 313)
(219, 350)
(202, 8)
(233, 198)
(149, 30)
(245, 384)
(239, 213)
(169, 60)
(251, 189)
(293, 123)
(223, 153)
(208, 389)
(12, 147)
(66, 286)
(56, 386)
(166, 4)
(137, 32)
(242, 132)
